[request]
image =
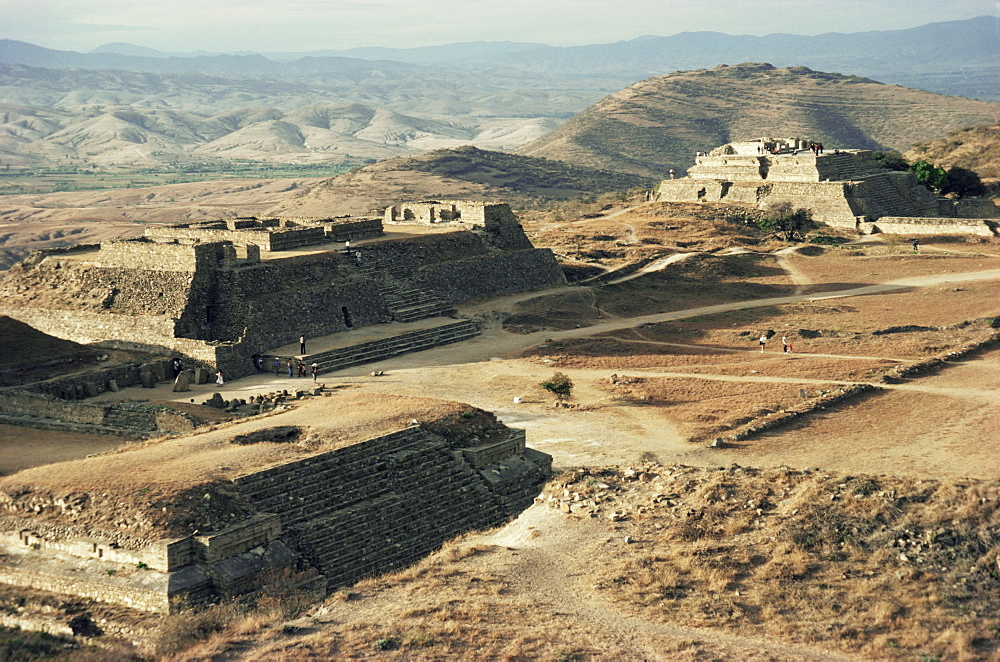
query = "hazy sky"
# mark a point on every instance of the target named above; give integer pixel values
(300, 25)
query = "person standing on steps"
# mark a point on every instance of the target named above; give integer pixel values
(302, 344)
(315, 371)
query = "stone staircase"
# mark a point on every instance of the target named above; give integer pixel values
(883, 195)
(384, 503)
(409, 304)
(378, 350)
(406, 302)
(841, 167)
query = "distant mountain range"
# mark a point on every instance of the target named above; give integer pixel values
(956, 57)
(659, 123)
(133, 106)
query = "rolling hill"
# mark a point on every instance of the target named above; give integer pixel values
(138, 137)
(661, 122)
(975, 148)
(462, 173)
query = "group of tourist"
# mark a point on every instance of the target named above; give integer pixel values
(786, 343)
(295, 367)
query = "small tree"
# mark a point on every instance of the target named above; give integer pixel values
(560, 385)
(933, 177)
(788, 223)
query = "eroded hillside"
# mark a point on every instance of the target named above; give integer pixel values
(661, 122)
(975, 148)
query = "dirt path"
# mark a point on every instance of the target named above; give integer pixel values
(799, 278)
(655, 265)
(546, 555)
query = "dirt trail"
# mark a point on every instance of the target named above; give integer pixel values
(547, 560)
(799, 278)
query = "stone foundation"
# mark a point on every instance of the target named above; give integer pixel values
(183, 291)
(335, 517)
(935, 226)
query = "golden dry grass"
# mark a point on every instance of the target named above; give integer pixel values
(884, 567)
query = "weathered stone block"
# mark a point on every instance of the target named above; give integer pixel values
(200, 376)
(91, 389)
(147, 379)
(182, 382)
(159, 370)
(113, 385)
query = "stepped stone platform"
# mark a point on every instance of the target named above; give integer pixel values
(340, 488)
(215, 294)
(845, 188)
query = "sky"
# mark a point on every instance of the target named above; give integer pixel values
(220, 26)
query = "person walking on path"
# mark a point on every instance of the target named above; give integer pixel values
(357, 258)
(315, 371)
(291, 368)
(763, 341)
(916, 245)
(277, 365)
(786, 346)
(302, 344)
(302, 368)
(218, 379)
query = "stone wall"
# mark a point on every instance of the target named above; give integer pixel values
(164, 256)
(136, 420)
(493, 275)
(915, 225)
(444, 211)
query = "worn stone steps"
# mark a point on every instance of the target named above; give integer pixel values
(408, 303)
(378, 350)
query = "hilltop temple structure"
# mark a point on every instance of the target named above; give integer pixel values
(847, 189)
(219, 292)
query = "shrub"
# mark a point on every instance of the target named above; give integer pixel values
(963, 182)
(785, 222)
(891, 160)
(558, 384)
(827, 240)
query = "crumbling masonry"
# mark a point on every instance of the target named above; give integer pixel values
(219, 292)
(846, 189)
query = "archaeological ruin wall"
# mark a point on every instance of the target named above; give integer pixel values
(840, 188)
(270, 234)
(178, 291)
(329, 519)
